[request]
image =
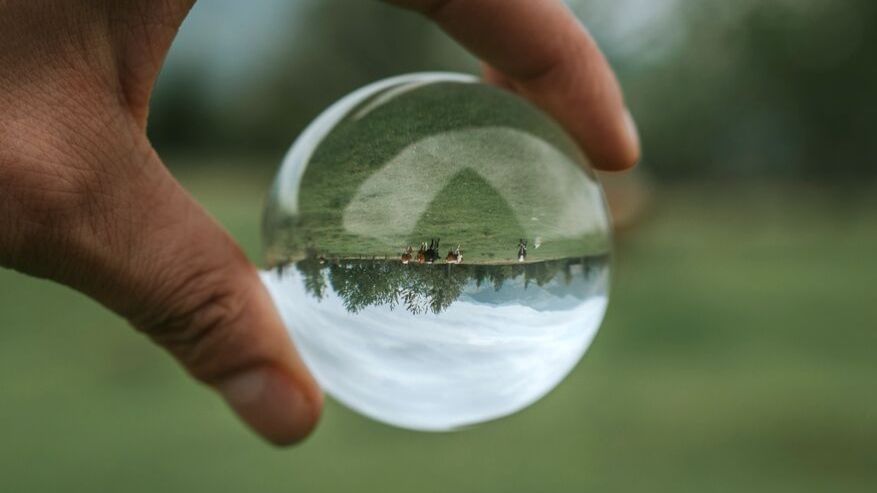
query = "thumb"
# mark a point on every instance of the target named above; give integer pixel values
(123, 231)
(221, 324)
(205, 303)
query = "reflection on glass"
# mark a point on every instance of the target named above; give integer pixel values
(438, 250)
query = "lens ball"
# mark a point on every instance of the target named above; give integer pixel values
(439, 251)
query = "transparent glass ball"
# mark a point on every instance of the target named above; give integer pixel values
(439, 251)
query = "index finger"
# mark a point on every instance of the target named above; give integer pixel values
(540, 50)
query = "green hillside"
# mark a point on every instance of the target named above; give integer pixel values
(471, 165)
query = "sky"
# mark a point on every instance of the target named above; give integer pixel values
(476, 361)
(229, 39)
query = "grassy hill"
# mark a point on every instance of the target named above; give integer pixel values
(469, 164)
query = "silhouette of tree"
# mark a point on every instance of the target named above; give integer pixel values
(314, 277)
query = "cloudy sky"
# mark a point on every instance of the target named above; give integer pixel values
(483, 358)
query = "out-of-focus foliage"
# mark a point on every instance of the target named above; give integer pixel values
(781, 87)
(750, 87)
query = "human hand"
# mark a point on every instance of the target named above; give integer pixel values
(86, 201)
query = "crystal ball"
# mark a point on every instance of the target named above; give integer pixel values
(439, 251)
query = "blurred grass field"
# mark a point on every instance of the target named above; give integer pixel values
(738, 354)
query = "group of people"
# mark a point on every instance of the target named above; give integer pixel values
(429, 253)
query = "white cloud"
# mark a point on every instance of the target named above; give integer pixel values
(471, 363)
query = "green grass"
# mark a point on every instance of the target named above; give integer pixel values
(737, 355)
(480, 176)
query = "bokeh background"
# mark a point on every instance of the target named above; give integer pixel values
(739, 352)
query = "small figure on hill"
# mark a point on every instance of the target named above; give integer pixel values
(421, 253)
(432, 253)
(455, 256)
(522, 250)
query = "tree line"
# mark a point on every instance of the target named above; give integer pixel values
(426, 288)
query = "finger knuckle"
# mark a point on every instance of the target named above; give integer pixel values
(202, 320)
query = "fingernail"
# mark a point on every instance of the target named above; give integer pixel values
(244, 388)
(272, 404)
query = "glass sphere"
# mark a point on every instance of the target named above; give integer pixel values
(438, 249)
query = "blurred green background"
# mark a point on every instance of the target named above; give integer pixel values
(738, 353)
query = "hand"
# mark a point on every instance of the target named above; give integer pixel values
(86, 201)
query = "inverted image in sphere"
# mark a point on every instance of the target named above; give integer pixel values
(439, 251)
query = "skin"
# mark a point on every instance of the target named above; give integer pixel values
(87, 202)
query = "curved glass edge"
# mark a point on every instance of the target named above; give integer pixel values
(294, 163)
